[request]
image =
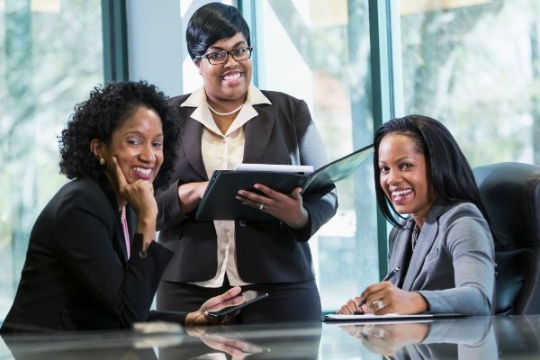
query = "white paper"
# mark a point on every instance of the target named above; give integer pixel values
(386, 317)
(304, 169)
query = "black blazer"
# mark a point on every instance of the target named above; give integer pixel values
(266, 252)
(76, 276)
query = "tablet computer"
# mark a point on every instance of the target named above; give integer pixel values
(251, 297)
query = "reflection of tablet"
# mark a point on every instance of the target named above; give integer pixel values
(251, 297)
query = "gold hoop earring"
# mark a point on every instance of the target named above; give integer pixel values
(101, 161)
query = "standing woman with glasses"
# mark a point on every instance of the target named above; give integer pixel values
(225, 122)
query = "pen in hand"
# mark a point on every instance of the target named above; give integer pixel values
(386, 278)
(391, 274)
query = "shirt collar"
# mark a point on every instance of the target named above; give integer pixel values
(198, 98)
(203, 115)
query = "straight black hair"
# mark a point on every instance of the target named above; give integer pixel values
(211, 23)
(448, 172)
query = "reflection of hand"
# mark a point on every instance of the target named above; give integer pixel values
(388, 339)
(237, 348)
(230, 298)
(288, 208)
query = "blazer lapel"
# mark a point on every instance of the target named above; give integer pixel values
(258, 132)
(191, 135)
(426, 240)
(400, 249)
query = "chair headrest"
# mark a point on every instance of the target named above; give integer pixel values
(511, 194)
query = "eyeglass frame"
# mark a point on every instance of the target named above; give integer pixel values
(249, 48)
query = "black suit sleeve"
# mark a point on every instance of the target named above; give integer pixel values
(86, 236)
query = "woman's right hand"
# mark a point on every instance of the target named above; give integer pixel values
(190, 195)
(140, 196)
(388, 339)
(385, 298)
(202, 317)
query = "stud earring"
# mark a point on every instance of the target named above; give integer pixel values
(101, 161)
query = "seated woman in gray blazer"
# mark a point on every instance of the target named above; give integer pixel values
(92, 262)
(441, 256)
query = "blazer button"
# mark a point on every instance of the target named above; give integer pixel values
(142, 254)
(242, 223)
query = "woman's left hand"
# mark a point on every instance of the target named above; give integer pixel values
(288, 208)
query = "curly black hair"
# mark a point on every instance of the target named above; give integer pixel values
(105, 111)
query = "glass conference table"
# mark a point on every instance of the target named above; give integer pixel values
(511, 337)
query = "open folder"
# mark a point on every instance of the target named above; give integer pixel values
(219, 200)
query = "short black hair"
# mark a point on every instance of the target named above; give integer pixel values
(448, 172)
(211, 23)
(98, 117)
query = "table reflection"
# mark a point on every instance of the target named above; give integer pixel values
(511, 337)
(277, 341)
(464, 339)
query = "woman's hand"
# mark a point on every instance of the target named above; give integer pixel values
(386, 298)
(388, 339)
(190, 195)
(288, 208)
(237, 348)
(140, 196)
(201, 317)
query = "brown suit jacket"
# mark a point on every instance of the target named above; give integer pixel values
(266, 252)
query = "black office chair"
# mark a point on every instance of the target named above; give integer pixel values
(511, 194)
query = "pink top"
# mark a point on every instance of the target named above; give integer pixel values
(126, 231)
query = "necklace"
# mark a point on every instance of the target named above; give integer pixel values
(225, 113)
(414, 236)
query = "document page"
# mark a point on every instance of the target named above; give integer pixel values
(386, 317)
(304, 169)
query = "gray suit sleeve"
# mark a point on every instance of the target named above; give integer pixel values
(468, 240)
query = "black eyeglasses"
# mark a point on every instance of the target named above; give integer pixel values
(220, 57)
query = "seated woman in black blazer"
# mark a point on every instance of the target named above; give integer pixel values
(92, 262)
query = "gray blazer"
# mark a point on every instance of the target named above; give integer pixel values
(452, 266)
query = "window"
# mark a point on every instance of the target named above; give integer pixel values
(476, 67)
(50, 58)
(319, 51)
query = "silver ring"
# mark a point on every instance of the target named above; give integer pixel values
(378, 304)
(261, 207)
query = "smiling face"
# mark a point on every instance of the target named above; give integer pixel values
(227, 82)
(137, 145)
(403, 176)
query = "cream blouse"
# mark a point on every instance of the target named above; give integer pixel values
(221, 152)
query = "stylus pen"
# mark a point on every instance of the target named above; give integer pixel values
(391, 274)
(388, 276)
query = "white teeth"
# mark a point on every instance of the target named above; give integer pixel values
(401, 192)
(233, 76)
(143, 170)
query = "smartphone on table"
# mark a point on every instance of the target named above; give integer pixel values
(251, 297)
